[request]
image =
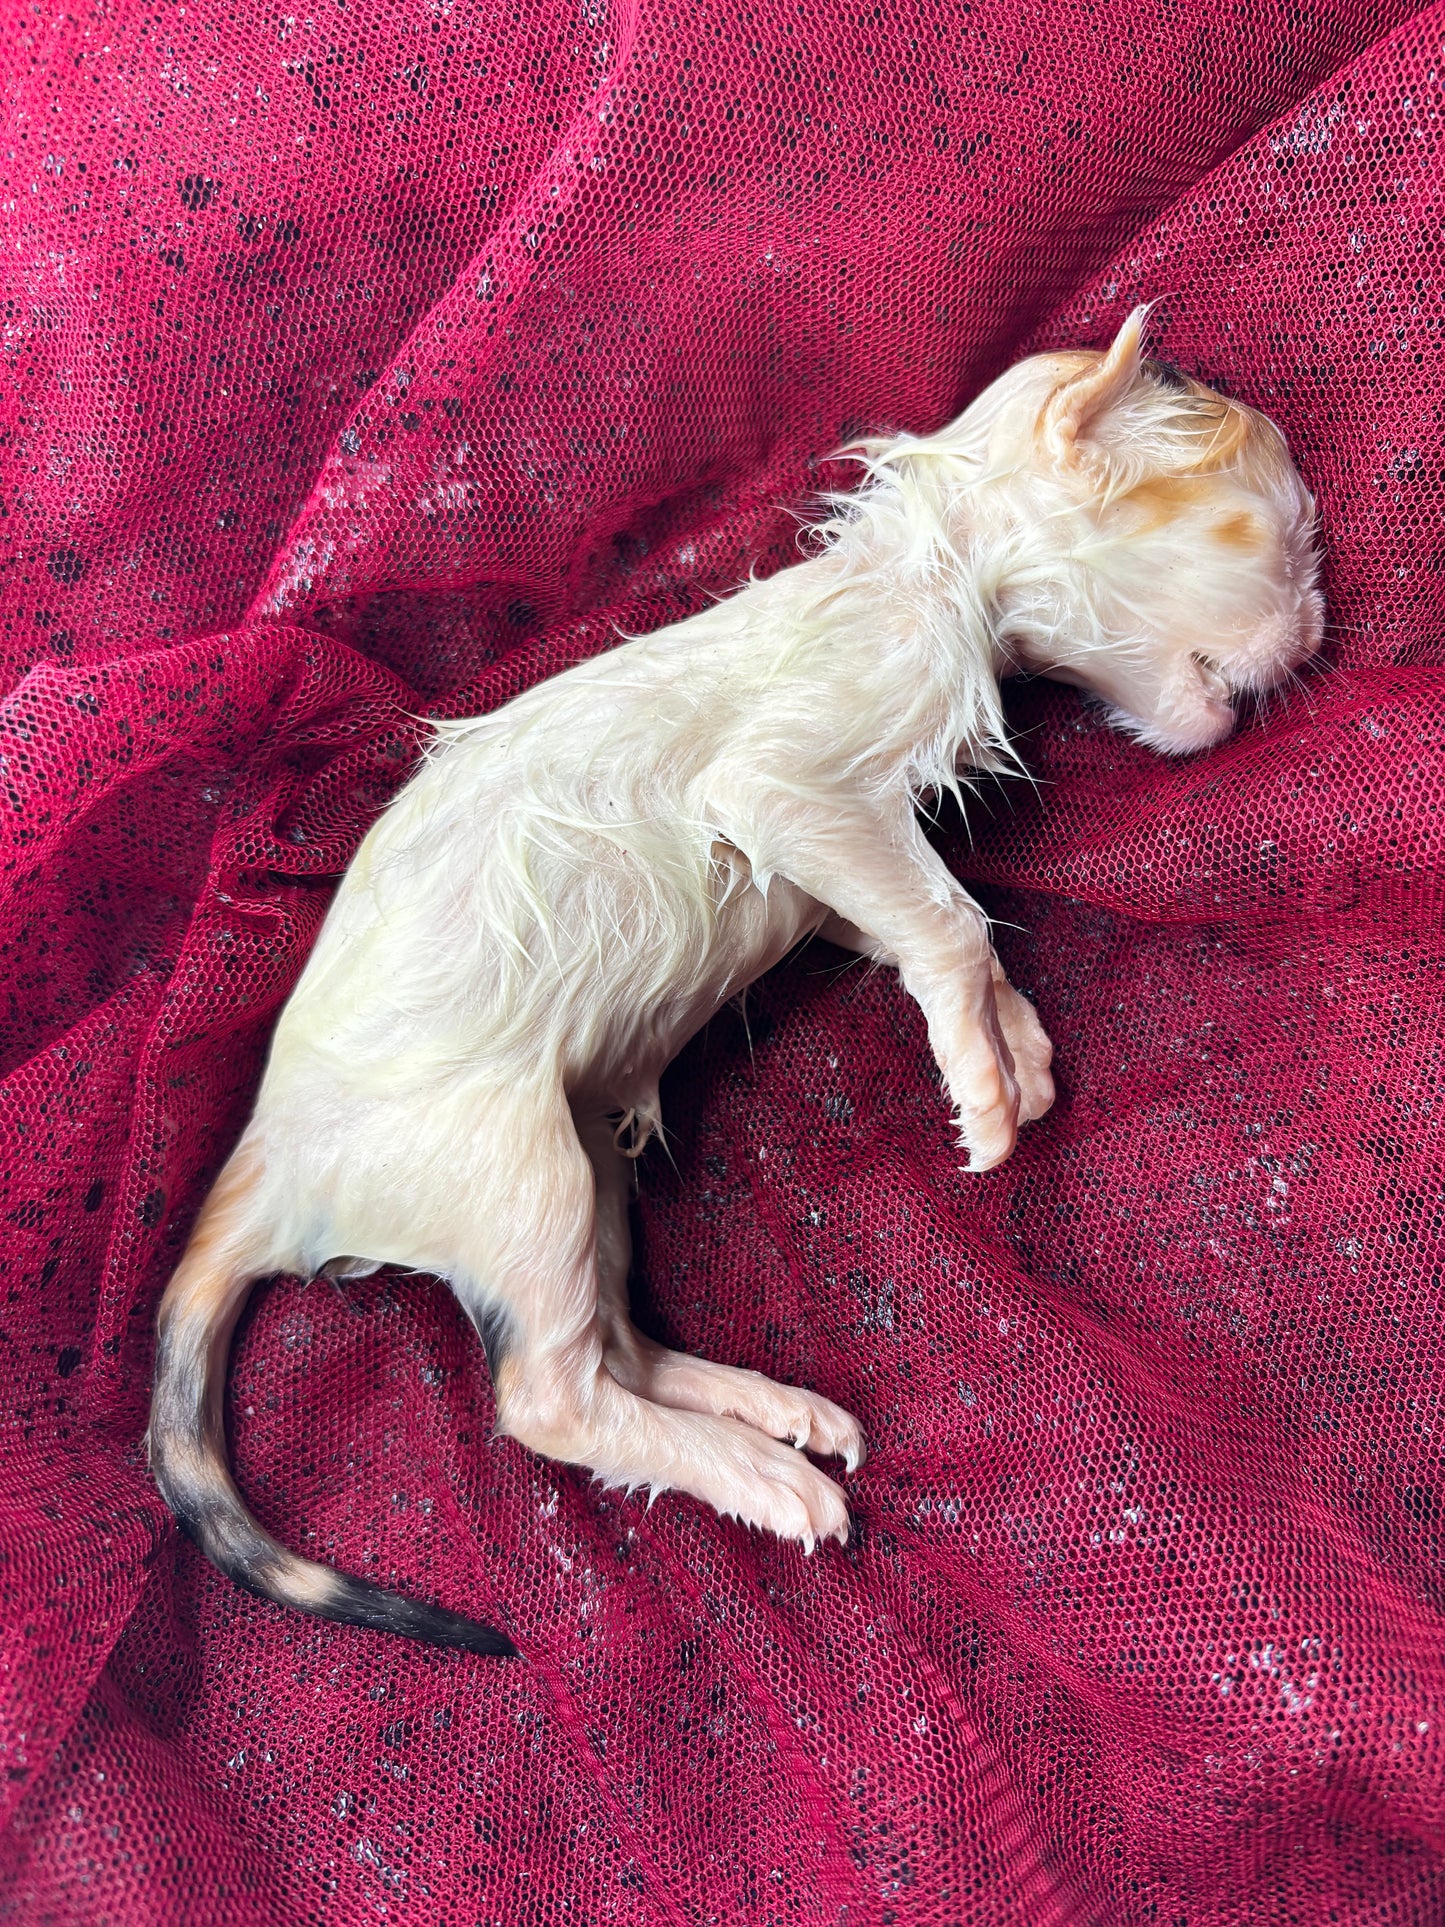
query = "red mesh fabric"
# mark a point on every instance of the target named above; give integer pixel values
(378, 361)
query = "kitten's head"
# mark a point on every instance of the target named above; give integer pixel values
(1147, 539)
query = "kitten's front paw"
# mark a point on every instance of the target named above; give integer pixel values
(1029, 1046)
(987, 1103)
(995, 1058)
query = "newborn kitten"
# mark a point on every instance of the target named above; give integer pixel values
(571, 886)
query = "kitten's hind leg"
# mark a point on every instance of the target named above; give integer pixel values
(673, 1379)
(534, 1254)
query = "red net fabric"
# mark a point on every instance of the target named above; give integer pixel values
(378, 361)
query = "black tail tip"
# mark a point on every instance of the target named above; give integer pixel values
(472, 1636)
(358, 1603)
(491, 1643)
(228, 1536)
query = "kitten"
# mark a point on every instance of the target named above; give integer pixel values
(571, 886)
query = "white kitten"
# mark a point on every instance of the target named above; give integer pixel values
(571, 886)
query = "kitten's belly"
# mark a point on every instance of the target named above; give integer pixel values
(753, 932)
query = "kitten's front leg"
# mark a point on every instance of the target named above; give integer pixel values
(1027, 1040)
(892, 896)
(1029, 1047)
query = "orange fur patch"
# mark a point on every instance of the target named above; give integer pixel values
(206, 1281)
(1240, 532)
(1166, 498)
(1162, 499)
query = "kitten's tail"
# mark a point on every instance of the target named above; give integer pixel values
(187, 1437)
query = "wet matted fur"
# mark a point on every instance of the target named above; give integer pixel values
(571, 886)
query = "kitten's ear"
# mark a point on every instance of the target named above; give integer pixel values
(1078, 404)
